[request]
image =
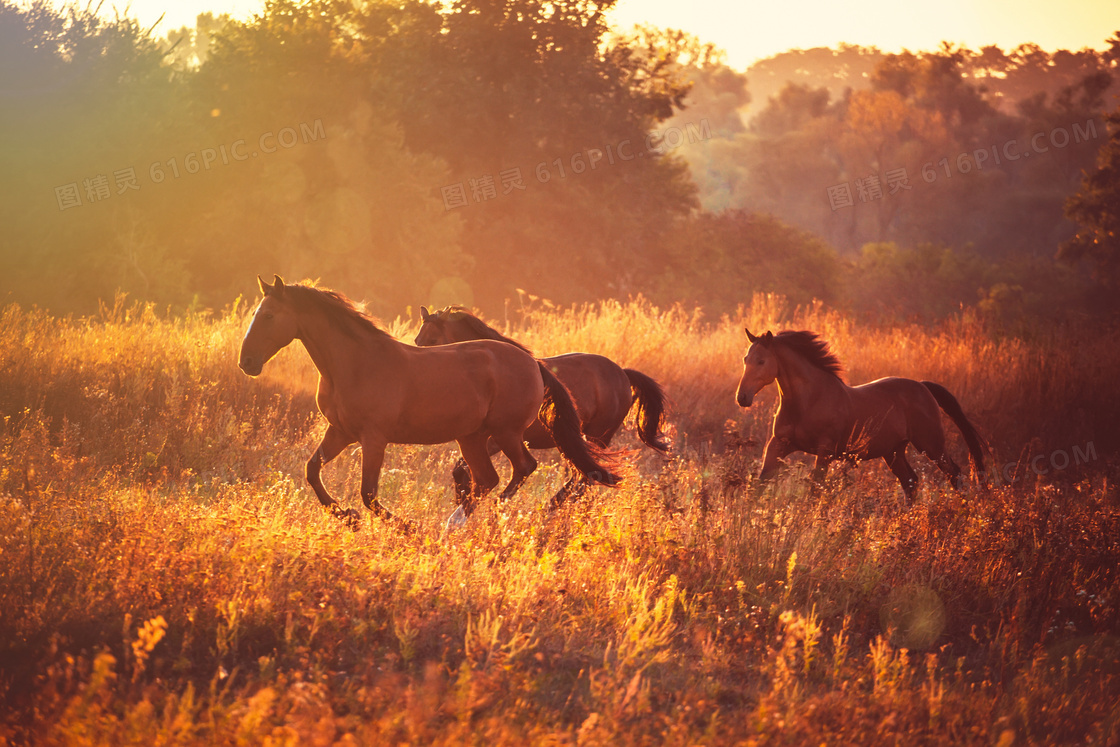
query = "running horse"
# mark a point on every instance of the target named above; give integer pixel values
(819, 414)
(375, 390)
(603, 392)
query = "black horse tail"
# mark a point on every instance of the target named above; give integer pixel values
(558, 413)
(650, 417)
(952, 408)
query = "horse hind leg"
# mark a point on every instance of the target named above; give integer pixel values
(577, 484)
(461, 476)
(523, 463)
(946, 464)
(575, 487)
(936, 453)
(904, 472)
(484, 477)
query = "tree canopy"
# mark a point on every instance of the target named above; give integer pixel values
(430, 153)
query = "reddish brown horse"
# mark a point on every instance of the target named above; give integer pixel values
(603, 392)
(819, 414)
(374, 390)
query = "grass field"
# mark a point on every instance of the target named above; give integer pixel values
(167, 578)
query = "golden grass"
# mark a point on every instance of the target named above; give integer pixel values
(166, 577)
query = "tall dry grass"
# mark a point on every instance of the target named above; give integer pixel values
(166, 577)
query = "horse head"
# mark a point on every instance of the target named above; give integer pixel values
(274, 325)
(760, 368)
(433, 330)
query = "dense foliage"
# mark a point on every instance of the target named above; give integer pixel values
(426, 153)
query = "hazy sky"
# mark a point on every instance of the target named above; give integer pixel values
(749, 30)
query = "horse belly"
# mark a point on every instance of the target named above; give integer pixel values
(438, 425)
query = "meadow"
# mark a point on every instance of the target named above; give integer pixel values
(167, 578)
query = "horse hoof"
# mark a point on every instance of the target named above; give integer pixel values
(456, 521)
(348, 516)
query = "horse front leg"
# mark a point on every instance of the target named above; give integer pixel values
(373, 456)
(334, 441)
(776, 449)
(820, 468)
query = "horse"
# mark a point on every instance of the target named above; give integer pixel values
(375, 390)
(818, 413)
(603, 392)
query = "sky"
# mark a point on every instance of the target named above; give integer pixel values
(748, 30)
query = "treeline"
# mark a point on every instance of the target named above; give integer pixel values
(415, 153)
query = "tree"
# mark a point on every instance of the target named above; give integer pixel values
(721, 260)
(534, 93)
(1096, 209)
(90, 104)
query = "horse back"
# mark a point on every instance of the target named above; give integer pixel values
(894, 409)
(894, 391)
(483, 365)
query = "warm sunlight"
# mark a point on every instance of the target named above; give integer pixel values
(508, 372)
(752, 31)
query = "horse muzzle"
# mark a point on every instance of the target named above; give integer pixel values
(745, 399)
(251, 365)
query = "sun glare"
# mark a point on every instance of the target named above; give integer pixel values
(751, 31)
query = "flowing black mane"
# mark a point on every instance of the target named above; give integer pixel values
(484, 331)
(339, 310)
(813, 349)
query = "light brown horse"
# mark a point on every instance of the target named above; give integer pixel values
(374, 390)
(819, 414)
(603, 392)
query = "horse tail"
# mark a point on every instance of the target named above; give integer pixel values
(952, 408)
(558, 413)
(650, 417)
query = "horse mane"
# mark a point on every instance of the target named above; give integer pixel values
(484, 331)
(812, 348)
(339, 310)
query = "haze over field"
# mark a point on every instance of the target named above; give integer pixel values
(549, 156)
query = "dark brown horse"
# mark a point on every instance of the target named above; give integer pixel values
(603, 392)
(374, 390)
(819, 414)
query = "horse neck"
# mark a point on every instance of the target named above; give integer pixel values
(462, 332)
(799, 380)
(465, 331)
(330, 347)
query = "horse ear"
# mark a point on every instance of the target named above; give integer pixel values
(425, 315)
(265, 287)
(750, 337)
(278, 283)
(768, 338)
